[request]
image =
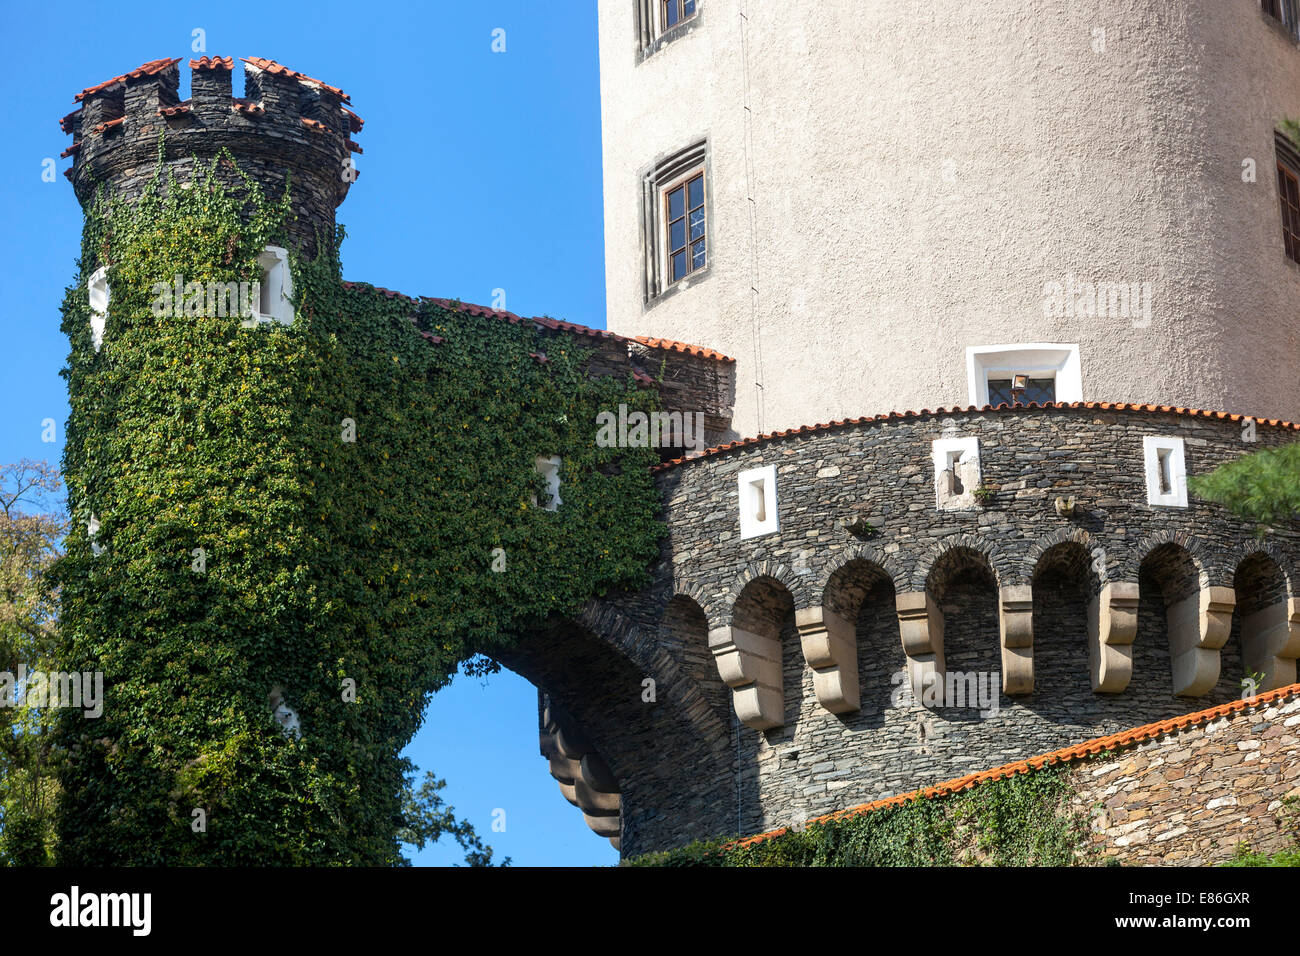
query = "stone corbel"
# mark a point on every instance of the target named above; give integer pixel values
(1198, 626)
(750, 664)
(831, 649)
(1112, 625)
(1016, 623)
(1270, 643)
(920, 626)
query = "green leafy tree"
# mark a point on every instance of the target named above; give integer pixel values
(1263, 487)
(427, 820)
(32, 524)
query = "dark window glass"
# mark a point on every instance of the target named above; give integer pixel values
(685, 205)
(1288, 193)
(1037, 390)
(679, 265)
(674, 12)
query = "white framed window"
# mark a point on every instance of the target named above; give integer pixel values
(275, 289)
(956, 472)
(1166, 471)
(1049, 369)
(757, 490)
(97, 288)
(549, 468)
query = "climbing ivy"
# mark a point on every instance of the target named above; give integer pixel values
(1024, 820)
(294, 511)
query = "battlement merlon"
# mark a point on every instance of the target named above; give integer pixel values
(287, 126)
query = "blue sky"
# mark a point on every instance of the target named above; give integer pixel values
(481, 171)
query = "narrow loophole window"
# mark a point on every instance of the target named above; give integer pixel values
(758, 495)
(954, 461)
(1165, 470)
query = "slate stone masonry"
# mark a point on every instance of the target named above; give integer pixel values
(881, 471)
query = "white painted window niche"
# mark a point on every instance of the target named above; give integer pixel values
(276, 289)
(97, 289)
(1166, 471)
(757, 489)
(956, 472)
(548, 466)
(1036, 359)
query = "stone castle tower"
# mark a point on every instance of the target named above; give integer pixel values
(1038, 555)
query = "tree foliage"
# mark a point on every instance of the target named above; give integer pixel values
(32, 524)
(1263, 487)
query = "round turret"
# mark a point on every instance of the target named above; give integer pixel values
(288, 127)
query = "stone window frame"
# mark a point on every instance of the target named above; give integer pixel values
(98, 295)
(664, 175)
(1175, 458)
(757, 516)
(966, 448)
(1288, 175)
(1060, 361)
(651, 37)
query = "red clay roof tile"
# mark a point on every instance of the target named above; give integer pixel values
(145, 69)
(213, 63)
(541, 322)
(957, 409)
(682, 347)
(270, 66)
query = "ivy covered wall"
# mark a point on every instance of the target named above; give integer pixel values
(333, 515)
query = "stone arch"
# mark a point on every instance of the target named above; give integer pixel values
(956, 604)
(749, 650)
(828, 629)
(1281, 555)
(1098, 558)
(796, 585)
(592, 668)
(684, 629)
(1000, 566)
(1176, 599)
(1066, 581)
(1131, 564)
(871, 554)
(861, 596)
(1265, 620)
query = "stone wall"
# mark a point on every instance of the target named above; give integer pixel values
(802, 653)
(1188, 797)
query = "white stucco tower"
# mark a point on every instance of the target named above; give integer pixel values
(900, 201)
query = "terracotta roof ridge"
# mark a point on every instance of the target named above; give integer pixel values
(941, 410)
(543, 321)
(673, 346)
(270, 66)
(144, 69)
(1088, 748)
